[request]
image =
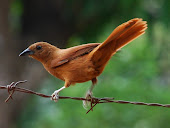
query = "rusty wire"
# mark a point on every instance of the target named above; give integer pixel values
(94, 100)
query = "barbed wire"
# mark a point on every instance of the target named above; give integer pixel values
(93, 100)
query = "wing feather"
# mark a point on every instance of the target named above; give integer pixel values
(66, 55)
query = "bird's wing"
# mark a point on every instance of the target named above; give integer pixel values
(72, 53)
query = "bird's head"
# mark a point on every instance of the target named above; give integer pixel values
(40, 51)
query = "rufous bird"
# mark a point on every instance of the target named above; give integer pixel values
(84, 62)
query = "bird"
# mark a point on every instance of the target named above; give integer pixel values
(84, 62)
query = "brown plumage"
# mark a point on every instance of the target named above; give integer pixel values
(84, 62)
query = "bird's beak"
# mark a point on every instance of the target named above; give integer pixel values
(26, 52)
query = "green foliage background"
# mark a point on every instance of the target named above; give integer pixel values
(139, 72)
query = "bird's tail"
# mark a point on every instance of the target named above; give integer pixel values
(120, 37)
(125, 33)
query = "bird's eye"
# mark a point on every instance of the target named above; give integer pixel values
(38, 47)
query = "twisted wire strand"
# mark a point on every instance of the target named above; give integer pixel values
(94, 100)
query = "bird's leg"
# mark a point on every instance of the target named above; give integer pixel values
(55, 95)
(89, 93)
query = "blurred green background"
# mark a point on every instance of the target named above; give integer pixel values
(139, 72)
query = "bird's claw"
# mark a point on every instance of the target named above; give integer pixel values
(55, 96)
(89, 95)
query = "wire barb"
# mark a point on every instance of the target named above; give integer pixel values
(11, 89)
(94, 100)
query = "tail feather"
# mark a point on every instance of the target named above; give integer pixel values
(131, 34)
(121, 29)
(120, 37)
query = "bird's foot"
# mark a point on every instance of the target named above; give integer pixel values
(89, 95)
(55, 96)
